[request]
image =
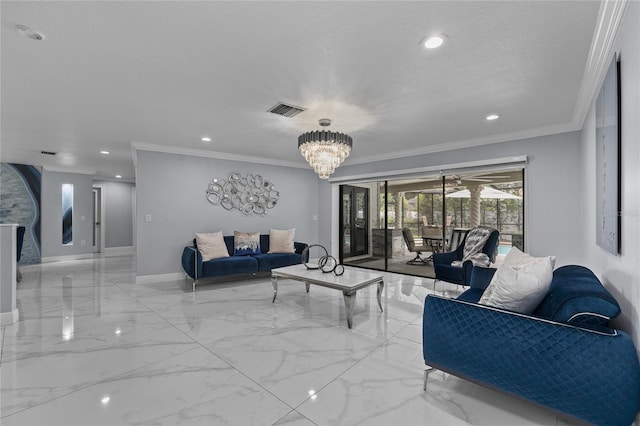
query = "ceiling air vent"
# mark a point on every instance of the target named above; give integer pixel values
(48, 153)
(286, 110)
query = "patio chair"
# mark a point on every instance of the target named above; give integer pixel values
(455, 238)
(411, 245)
(442, 262)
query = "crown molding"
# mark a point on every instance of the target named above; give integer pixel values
(72, 170)
(168, 149)
(607, 26)
(99, 178)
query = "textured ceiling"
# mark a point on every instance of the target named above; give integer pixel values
(168, 73)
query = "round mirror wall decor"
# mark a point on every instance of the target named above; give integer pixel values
(250, 194)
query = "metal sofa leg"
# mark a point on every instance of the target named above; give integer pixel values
(195, 270)
(427, 371)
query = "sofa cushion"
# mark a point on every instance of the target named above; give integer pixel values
(281, 241)
(246, 243)
(229, 265)
(481, 277)
(471, 295)
(267, 262)
(211, 245)
(520, 283)
(577, 297)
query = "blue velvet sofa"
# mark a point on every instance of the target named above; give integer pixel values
(564, 356)
(232, 265)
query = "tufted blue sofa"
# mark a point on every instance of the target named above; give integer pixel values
(250, 264)
(564, 356)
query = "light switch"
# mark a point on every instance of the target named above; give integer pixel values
(147, 218)
(83, 218)
(314, 218)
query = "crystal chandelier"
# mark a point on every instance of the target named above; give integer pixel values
(324, 150)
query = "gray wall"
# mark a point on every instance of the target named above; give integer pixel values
(324, 214)
(620, 274)
(118, 213)
(553, 203)
(51, 210)
(172, 188)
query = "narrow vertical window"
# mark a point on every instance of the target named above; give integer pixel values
(67, 214)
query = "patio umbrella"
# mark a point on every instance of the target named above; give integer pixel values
(475, 194)
(487, 192)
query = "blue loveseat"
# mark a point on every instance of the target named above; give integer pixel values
(247, 264)
(564, 356)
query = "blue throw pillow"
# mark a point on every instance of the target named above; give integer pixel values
(246, 243)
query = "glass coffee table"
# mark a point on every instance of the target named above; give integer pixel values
(351, 281)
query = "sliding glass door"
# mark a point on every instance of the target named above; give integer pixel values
(381, 222)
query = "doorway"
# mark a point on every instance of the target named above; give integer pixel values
(354, 221)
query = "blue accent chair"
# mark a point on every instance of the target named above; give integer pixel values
(443, 269)
(564, 356)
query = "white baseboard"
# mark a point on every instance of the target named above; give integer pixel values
(50, 259)
(148, 279)
(117, 251)
(8, 318)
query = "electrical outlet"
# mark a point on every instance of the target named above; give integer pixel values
(147, 218)
(83, 218)
(83, 242)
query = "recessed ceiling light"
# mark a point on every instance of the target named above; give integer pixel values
(206, 139)
(118, 177)
(434, 41)
(104, 152)
(492, 117)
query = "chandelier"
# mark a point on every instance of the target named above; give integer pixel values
(324, 150)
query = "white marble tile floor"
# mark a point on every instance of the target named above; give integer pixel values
(92, 348)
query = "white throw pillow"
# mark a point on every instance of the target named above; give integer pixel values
(281, 241)
(517, 258)
(211, 245)
(520, 283)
